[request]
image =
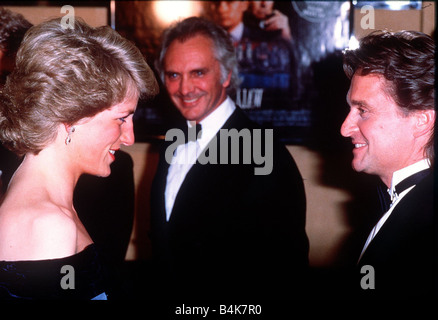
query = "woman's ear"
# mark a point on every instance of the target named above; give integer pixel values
(70, 129)
(67, 127)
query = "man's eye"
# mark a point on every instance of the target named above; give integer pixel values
(123, 119)
(172, 75)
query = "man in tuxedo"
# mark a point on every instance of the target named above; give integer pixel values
(391, 125)
(251, 20)
(229, 15)
(222, 225)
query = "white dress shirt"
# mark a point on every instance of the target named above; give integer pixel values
(186, 154)
(397, 177)
(237, 33)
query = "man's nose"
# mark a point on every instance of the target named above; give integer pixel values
(348, 126)
(186, 86)
(223, 7)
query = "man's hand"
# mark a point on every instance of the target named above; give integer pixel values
(279, 21)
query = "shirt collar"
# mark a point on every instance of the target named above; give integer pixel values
(237, 32)
(402, 174)
(214, 121)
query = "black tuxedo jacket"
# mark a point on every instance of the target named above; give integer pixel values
(403, 251)
(231, 233)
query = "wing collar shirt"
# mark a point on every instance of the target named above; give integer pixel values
(186, 154)
(397, 177)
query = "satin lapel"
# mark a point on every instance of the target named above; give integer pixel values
(199, 183)
(412, 212)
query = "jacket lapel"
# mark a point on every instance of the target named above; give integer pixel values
(202, 180)
(409, 219)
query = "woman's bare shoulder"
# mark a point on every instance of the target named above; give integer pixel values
(43, 231)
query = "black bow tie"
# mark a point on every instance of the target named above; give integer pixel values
(384, 196)
(193, 134)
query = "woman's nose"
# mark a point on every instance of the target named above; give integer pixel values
(127, 137)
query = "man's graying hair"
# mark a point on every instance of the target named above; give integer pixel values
(222, 46)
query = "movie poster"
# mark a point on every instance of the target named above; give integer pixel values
(280, 46)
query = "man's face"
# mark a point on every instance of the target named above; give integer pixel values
(228, 14)
(192, 77)
(261, 9)
(382, 136)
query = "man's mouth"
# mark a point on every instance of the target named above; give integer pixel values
(188, 101)
(359, 145)
(112, 153)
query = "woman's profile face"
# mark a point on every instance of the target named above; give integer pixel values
(96, 139)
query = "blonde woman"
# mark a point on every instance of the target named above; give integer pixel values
(67, 107)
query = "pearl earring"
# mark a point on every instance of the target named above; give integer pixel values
(68, 139)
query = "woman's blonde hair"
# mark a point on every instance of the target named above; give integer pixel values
(63, 75)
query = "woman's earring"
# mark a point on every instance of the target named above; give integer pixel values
(68, 139)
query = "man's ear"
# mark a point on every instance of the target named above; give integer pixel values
(227, 81)
(424, 122)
